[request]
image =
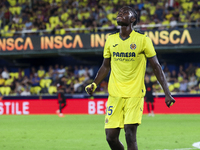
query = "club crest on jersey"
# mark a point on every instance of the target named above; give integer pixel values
(133, 46)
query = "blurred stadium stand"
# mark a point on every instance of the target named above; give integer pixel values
(38, 71)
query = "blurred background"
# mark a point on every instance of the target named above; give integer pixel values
(46, 42)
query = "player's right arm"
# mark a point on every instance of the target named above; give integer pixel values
(101, 74)
(103, 70)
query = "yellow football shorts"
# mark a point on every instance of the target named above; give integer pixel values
(123, 110)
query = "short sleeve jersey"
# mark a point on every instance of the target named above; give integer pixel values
(128, 63)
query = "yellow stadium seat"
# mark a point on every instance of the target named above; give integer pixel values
(52, 90)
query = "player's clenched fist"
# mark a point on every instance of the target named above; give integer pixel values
(169, 101)
(91, 88)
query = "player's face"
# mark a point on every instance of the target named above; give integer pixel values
(124, 17)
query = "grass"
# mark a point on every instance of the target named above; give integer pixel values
(86, 132)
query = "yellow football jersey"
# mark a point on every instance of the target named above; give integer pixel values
(128, 63)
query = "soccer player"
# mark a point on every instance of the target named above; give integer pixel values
(149, 95)
(61, 100)
(125, 54)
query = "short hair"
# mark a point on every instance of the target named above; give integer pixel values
(135, 14)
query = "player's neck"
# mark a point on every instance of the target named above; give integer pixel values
(125, 31)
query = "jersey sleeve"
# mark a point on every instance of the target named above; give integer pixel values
(106, 52)
(149, 50)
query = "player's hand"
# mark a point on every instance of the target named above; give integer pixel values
(91, 88)
(169, 101)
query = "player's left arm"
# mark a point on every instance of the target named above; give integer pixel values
(169, 100)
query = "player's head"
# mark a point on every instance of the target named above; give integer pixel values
(126, 16)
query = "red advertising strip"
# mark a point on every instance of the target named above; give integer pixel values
(183, 105)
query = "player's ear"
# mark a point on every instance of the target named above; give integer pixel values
(132, 19)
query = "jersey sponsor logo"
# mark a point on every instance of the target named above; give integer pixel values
(115, 45)
(122, 54)
(133, 46)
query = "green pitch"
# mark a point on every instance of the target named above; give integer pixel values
(86, 132)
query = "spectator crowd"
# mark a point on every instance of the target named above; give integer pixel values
(73, 16)
(41, 81)
(73, 80)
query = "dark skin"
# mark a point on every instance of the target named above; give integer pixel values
(125, 19)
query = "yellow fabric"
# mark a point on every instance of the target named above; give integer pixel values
(12, 74)
(64, 16)
(166, 22)
(143, 18)
(195, 16)
(8, 81)
(152, 10)
(2, 81)
(5, 90)
(151, 23)
(171, 87)
(41, 73)
(48, 82)
(153, 78)
(198, 72)
(122, 111)
(12, 2)
(128, 63)
(37, 89)
(52, 90)
(45, 82)
(177, 85)
(42, 83)
(168, 16)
